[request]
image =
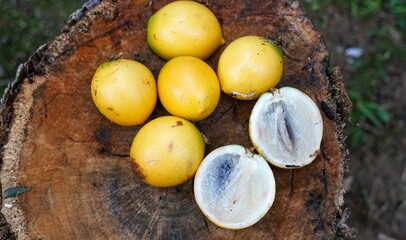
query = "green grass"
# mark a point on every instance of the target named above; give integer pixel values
(385, 19)
(370, 71)
(27, 24)
(369, 74)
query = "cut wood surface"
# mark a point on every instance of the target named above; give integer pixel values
(76, 163)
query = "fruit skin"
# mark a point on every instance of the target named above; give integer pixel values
(184, 28)
(188, 88)
(124, 91)
(233, 187)
(167, 151)
(250, 66)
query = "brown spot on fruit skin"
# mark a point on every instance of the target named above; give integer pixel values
(178, 124)
(137, 169)
(170, 148)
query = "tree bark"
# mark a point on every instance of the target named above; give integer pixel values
(76, 163)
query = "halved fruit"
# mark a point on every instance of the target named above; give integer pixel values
(286, 127)
(233, 187)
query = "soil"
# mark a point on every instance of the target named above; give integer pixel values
(376, 182)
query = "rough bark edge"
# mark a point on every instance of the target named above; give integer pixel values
(337, 106)
(13, 124)
(343, 108)
(11, 156)
(36, 65)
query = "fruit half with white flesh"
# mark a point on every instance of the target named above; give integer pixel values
(233, 187)
(286, 127)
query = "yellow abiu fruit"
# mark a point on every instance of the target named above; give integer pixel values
(124, 91)
(188, 88)
(250, 66)
(167, 151)
(184, 28)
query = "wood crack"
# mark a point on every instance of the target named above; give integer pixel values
(292, 182)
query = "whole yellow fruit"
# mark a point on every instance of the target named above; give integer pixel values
(124, 91)
(184, 28)
(188, 88)
(167, 151)
(250, 66)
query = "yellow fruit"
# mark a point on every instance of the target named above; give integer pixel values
(184, 28)
(233, 187)
(250, 66)
(167, 151)
(124, 91)
(188, 88)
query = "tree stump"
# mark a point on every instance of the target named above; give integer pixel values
(76, 163)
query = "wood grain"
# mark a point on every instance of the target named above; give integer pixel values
(77, 164)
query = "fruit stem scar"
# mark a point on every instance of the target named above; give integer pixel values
(282, 128)
(248, 96)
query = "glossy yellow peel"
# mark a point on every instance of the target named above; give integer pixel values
(167, 151)
(250, 66)
(184, 28)
(188, 88)
(124, 91)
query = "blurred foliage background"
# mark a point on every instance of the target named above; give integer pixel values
(366, 40)
(24, 26)
(375, 80)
